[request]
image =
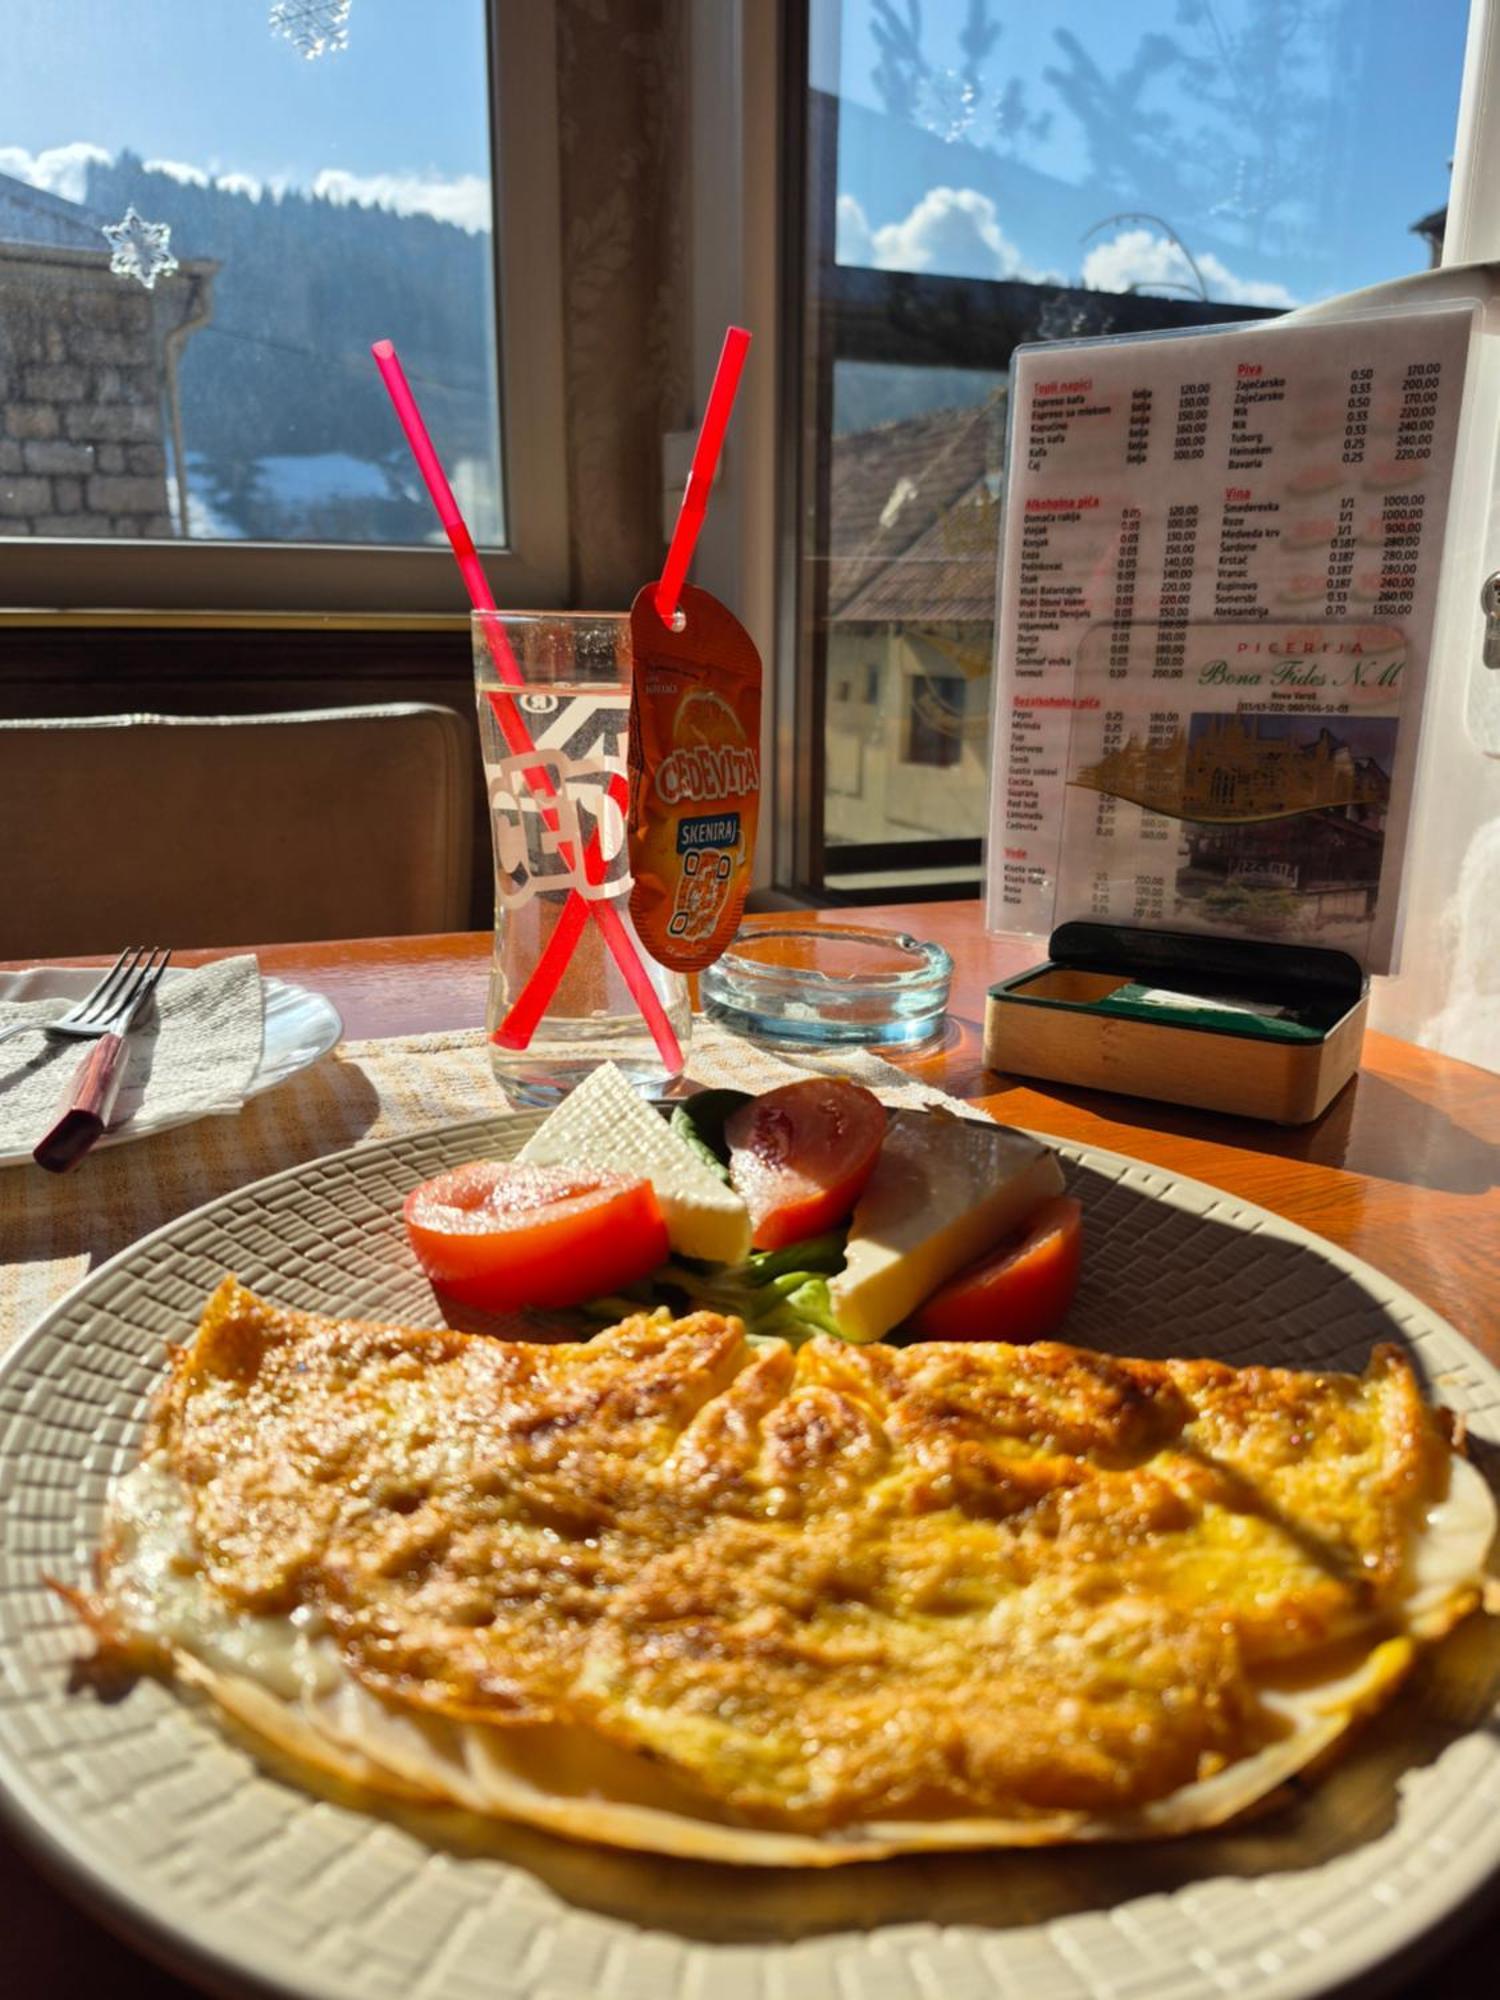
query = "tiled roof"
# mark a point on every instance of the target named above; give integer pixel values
(911, 519)
(31, 215)
(947, 576)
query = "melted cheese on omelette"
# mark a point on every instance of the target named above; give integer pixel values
(815, 1592)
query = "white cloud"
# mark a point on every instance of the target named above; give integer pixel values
(464, 200)
(177, 170)
(1141, 258)
(60, 170)
(952, 232)
(853, 242)
(1243, 291)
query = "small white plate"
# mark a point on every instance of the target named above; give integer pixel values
(299, 1027)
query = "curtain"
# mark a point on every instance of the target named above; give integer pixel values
(624, 143)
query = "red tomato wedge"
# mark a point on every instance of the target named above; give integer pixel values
(1020, 1291)
(799, 1156)
(503, 1234)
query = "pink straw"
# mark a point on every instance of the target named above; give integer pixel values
(536, 995)
(701, 473)
(430, 467)
(514, 729)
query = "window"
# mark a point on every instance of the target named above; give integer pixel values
(934, 720)
(973, 175)
(206, 217)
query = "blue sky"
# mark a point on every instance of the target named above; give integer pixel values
(1287, 179)
(1356, 131)
(400, 114)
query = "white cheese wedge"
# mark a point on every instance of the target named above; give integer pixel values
(944, 1191)
(604, 1124)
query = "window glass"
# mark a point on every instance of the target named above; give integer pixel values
(207, 214)
(981, 174)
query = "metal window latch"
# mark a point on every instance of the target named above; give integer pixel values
(1489, 604)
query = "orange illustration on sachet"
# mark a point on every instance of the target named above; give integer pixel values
(694, 778)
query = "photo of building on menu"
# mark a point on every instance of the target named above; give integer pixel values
(1312, 862)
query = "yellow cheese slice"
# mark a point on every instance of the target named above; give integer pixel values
(944, 1191)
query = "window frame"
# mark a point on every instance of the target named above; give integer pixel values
(42, 575)
(914, 320)
(876, 315)
(925, 744)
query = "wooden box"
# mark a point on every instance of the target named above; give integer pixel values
(1229, 1024)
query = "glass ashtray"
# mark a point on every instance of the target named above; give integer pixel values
(833, 983)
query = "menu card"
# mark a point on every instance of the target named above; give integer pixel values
(1219, 572)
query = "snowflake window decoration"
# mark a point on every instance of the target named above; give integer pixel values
(313, 27)
(947, 105)
(140, 249)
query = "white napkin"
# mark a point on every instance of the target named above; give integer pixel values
(194, 1055)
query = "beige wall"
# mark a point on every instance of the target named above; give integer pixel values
(874, 790)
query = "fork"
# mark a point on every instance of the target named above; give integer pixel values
(105, 1017)
(90, 1015)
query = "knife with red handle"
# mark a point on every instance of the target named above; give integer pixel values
(84, 1110)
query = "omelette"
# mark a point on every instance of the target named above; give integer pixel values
(681, 1591)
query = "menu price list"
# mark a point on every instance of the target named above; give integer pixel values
(1241, 524)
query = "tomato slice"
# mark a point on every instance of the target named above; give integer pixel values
(1020, 1291)
(504, 1234)
(800, 1156)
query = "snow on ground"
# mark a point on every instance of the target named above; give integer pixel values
(289, 487)
(205, 522)
(304, 479)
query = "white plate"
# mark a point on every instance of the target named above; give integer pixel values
(299, 1027)
(250, 1882)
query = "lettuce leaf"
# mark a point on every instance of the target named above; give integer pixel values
(699, 1122)
(778, 1292)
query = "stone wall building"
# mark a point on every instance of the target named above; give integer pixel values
(88, 367)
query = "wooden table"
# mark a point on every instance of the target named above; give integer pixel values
(1402, 1169)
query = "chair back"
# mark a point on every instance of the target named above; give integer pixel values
(233, 829)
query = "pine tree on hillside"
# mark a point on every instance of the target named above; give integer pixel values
(283, 367)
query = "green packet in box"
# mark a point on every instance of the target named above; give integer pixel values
(1234, 1017)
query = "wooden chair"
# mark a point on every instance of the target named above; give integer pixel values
(235, 829)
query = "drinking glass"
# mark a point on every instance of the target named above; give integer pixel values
(557, 820)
